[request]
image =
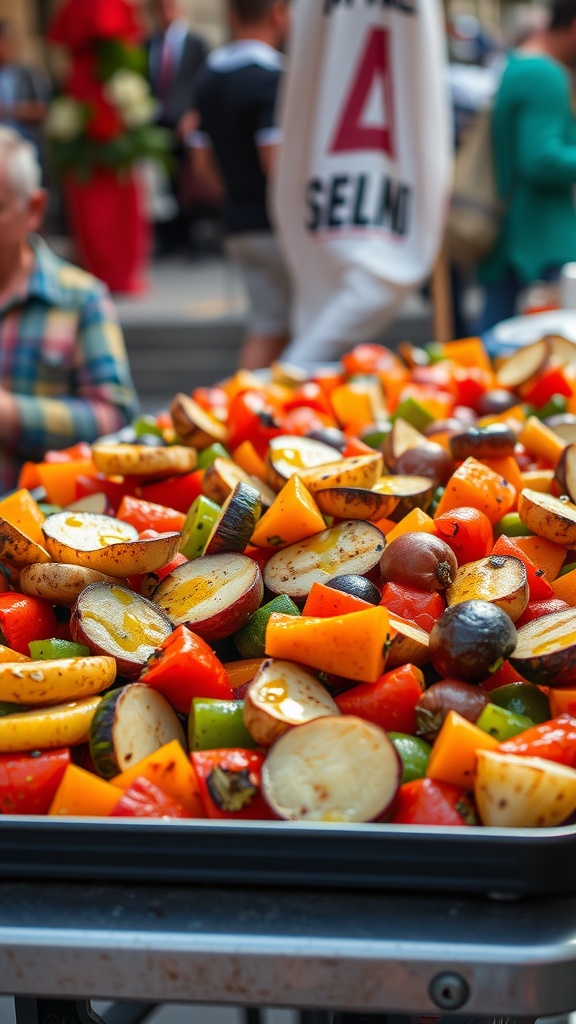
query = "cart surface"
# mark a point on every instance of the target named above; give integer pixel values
(332, 949)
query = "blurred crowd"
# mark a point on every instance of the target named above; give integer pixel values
(217, 107)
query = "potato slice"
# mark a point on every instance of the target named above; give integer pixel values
(500, 579)
(549, 517)
(55, 681)
(283, 695)
(409, 643)
(545, 651)
(17, 549)
(143, 460)
(524, 364)
(562, 349)
(287, 455)
(355, 503)
(223, 476)
(400, 438)
(195, 427)
(523, 792)
(58, 582)
(105, 544)
(357, 471)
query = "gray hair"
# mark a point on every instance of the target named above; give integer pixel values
(21, 160)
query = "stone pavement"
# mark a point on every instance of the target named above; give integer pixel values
(186, 329)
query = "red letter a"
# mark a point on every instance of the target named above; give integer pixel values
(351, 134)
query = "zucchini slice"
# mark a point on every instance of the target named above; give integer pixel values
(131, 723)
(236, 522)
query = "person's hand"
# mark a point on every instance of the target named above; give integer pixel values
(187, 124)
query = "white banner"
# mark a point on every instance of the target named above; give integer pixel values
(364, 168)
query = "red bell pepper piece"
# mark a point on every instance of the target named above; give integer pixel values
(554, 740)
(229, 783)
(540, 589)
(302, 421)
(252, 417)
(28, 782)
(551, 381)
(147, 515)
(214, 400)
(183, 667)
(354, 446)
(311, 396)
(81, 450)
(535, 609)
(470, 383)
(101, 484)
(143, 799)
(504, 675)
(390, 702)
(431, 802)
(324, 602)
(178, 492)
(423, 607)
(468, 531)
(367, 357)
(24, 618)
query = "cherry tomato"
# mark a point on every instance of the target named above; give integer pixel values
(468, 531)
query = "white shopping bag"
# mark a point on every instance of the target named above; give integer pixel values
(364, 169)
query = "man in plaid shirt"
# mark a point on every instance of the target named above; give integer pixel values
(64, 373)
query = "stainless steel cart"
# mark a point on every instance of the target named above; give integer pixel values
(331, 950)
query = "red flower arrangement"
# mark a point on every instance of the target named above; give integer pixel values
(104, 115)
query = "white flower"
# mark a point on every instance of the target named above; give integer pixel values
(140, 113)
(126, 89)
(65, 118)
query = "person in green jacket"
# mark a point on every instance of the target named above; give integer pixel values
(534, 137)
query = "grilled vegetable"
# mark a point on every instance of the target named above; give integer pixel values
(214, 595)
(332, 769)
(500, 579)
(106, 544)
(55, 682)
(350, 547)
(545, 651)
(114, 621)
(550, 517)
(142, 460)
(236, 521)
(523, 792)
(131, 723)
(64, 725)
(283, 695)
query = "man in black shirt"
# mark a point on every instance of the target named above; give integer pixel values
(236, 141)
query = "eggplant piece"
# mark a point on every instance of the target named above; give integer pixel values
(236, 522)
(334, 769)
(283, 695)
(545, 651)
(493, 441)
(410, 492)
(114, 621)
(213, 595)
(129, 724)
(409, 643)
(355, 503)
(357, 586)
(351, 547)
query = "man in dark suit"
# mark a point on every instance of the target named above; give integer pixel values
(175, 55)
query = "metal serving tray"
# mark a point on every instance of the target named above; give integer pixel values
(504, 862)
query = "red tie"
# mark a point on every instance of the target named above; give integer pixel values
(166, 71)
